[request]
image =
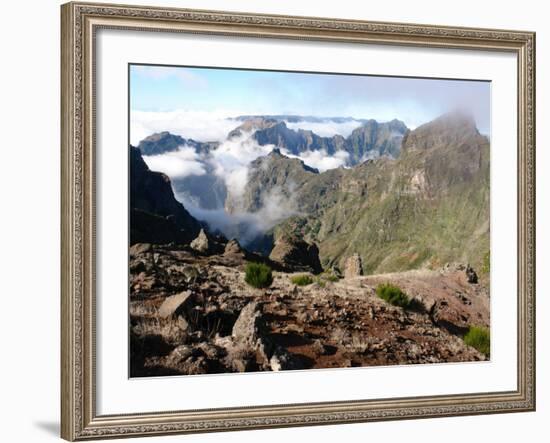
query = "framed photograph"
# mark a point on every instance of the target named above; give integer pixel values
(282, 221)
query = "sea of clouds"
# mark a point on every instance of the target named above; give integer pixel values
(326, 128)
(229, 162)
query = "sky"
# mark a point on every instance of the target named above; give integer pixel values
(232, 92)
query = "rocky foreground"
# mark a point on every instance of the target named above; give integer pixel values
(191, 312)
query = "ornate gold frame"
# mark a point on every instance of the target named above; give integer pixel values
(79, 420)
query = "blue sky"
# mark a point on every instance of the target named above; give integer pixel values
(234, 92)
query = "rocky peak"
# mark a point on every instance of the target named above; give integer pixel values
(373, 139)
(160, 143)
(451, 129)
(252, 124)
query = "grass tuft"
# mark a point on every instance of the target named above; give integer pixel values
(258, 275)
(393, 295)
(302, 280)
(479, 337)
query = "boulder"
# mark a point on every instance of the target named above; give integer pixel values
(233, 247)
(139, 248)
(284, 360)
(471, 275)
(173, 303)
(201, 243)
(296, 255)
(249, 325)
(353, 266)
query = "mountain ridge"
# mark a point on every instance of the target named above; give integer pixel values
(424, 208)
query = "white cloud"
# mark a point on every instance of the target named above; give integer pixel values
(232, 159)
(200, 126)
(327, 128)
(321, 160)
(177, 164)
(246, 226)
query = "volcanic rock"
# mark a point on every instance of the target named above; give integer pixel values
(296, 255)
(201, 243)
(173, 303)
(353, 266)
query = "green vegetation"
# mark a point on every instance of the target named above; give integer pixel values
(302, 280)
(397, 227)
(479, 337)
(486, 263)
(258, 275)
(393, 295)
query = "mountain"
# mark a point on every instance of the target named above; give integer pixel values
(425, 208)
(274, 173)
(252, 124)
(162, 142)
(156, 216)
(297, 141)
(371, 139)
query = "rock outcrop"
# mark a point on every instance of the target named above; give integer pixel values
(296, 255)
(156, 216)
(233, 248)
(353, 266)
(201, 243)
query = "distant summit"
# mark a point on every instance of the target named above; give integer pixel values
(162, 142)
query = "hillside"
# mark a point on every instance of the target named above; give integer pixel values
(425, 208)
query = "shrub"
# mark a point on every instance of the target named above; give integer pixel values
(331, 277)
(258, 275)
(302, 280)
(393, 295)
(480, 338)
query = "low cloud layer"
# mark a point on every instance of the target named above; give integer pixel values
(200, 126)
(321, 160)
(177, 164)
(229, 162)
(246, 226)
(326, 129)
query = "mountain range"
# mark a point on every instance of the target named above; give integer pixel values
(406, 199)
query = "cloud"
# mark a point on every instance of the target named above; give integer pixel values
(321, 160)
(177, 164)
(326, 129)
(246, 226)
(231, 160)
(199, 125)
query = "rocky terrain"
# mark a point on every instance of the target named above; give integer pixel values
(192, 313)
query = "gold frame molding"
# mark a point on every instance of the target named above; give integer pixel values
(79, 22)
